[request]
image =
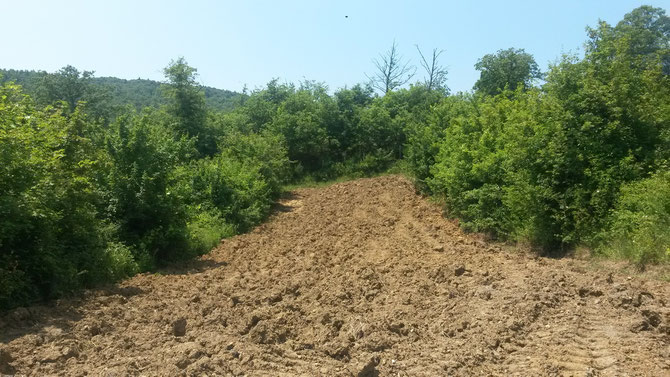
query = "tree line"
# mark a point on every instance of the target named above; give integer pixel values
(89, 196)
(107, 95)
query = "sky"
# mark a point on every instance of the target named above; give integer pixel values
(246, 42)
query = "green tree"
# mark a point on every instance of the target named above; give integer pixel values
(73, 87)
(301, 119)
(506, 69)
(53, 236)
(187, 105)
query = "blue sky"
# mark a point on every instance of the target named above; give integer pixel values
(233, 43)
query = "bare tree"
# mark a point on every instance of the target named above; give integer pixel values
(392, 71)
(436, 74)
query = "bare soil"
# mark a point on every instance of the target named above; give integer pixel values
(362, 278)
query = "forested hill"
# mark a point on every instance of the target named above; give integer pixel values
(137, 92)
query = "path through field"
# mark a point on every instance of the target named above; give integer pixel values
(362, 278)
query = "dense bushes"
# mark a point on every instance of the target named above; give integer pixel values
(547, 165)
(87, 200)
(143, 154)
(51, 234)
(83, 204)
(640, 224)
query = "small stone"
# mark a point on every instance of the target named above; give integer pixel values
(179, 327)
(51, 355)
(439, 248)
(247, 359)
(230, 346)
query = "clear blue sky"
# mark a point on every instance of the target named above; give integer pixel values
(233, 43)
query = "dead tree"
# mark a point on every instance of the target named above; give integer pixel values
(392, 71)
(436, 75)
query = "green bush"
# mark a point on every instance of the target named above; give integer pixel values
(51, 231)
(424, 137)
(141, 181)
(640, 223)
(237, 190)
(206, 228)
(266, 151)
(120, 262)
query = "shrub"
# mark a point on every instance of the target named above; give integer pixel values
(120, 261)
(152, 217)
(234, 188)
(51, 231)
(206, 228)
(640, 222)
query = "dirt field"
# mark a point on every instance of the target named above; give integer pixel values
(362, 278)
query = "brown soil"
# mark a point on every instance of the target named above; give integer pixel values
(362, 278)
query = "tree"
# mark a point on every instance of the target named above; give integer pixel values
(506, 69)
(648, 29)
(392, 71)
(72, 87)
(187, 104)
(68, 84)
(436, 74)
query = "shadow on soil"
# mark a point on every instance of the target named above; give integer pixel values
(194, 266)
(57, 315)
(283, 204)
(63, 314)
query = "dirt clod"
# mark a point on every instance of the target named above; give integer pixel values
(179, 327)
(459, 270)
(369, 369)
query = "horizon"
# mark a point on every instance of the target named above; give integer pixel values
(331, 43)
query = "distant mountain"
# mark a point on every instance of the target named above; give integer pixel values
(138, 92)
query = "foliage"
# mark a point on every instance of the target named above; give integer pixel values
(640, 225)
(52, 238)
(143, 154)
(301, 118)
(187, 105)
(547, 165)
(506, 69)
(119, 93)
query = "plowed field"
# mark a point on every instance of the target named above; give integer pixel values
(362, 278)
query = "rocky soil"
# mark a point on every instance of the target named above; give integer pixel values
(362, 278)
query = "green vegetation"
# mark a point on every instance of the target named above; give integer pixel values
(117, 93)
(548, 164)
(101, 178)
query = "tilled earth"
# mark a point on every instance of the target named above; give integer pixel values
(363, 278)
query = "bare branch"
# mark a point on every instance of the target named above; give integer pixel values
(391, 71)
(436, 75)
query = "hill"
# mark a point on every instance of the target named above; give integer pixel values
(137, 92)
